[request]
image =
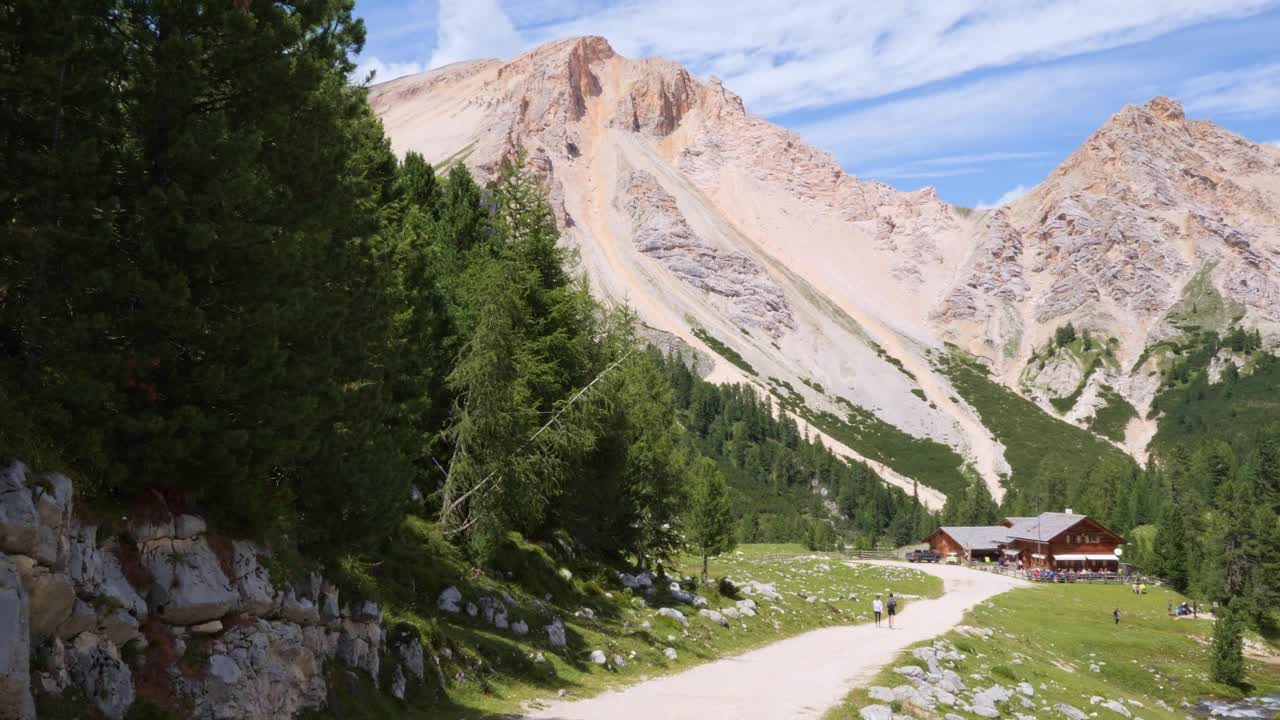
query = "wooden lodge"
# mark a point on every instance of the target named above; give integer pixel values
(1058, 541)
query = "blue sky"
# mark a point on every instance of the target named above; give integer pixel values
(978, 98)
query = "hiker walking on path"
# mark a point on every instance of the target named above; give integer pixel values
(893, 609)
(878, 608)
(1116, 614)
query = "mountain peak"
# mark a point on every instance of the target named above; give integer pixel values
(1167, 109)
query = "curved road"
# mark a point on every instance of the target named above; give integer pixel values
(800, 677)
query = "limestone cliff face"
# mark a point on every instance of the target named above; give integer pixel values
(711, 221)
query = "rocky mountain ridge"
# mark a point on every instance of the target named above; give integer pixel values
(736, 237)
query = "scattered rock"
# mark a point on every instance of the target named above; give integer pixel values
(520, 627)
(449, 600)
(876, 712)
(1072, 712)
(1117, 708)
(674, 615)
(597, 657)
(714, 616)
(555, 633)
(670, 653)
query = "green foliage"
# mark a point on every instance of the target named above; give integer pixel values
(772, 469)
(1227, 665)
(1039, 448)
(1192, 409)
(973, 506)
(710, 517)
(218, 314)
(933, 463)
(724, 351)
(1113, 417)
(1064, 335)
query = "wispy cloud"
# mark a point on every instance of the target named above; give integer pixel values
(1011, 107)
(984, 158)
(383, 72)
(823, 52)
(1009, 196)
(1273, 142)
(949, 165)
(917, 172)
(473, 30)
(1246, 91)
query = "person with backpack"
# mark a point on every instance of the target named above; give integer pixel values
(878, 608)
(893, 609)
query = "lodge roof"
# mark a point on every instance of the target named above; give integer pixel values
(978, 538)
(1043, 527)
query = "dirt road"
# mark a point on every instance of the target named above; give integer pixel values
(796, 678)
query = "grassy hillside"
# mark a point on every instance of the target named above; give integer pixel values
(494, 673)
(1027, 432)
(1150, 662)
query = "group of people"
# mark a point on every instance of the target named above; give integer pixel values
(879, 607)
(1184, 609)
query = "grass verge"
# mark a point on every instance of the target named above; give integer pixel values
(1052, 637)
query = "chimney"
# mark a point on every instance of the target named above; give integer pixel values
(1067, 511)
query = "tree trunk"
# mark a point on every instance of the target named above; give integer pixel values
(704, 569)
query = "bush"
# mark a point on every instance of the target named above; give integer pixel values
(726, 588)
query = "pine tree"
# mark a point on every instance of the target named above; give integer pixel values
(710, 518)
(1228, 652)
(1171, 549)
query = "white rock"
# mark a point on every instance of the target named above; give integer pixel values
(472, 610)
(555, 633)
(674, 615)
(398, 684)
(876, 712)
(186, 527)
(714, 616)
(95, 667)
(449, 600)
(597, 657)
(1117, 708)
(188, 585)
(251, 580)
(51, 596)
(520, 627)
(881, 693)
(670, 653)
(15, 641)
(566, 574)
(1072, 712)
(213, 627)
(619, 661)
(18, 519)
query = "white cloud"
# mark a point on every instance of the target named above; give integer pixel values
(383, 72)
(1246, 91)
(915, 171)
(785, 57)
(1013, 194)
(1273, 142)
(982, 158)
(473, 30)
(1012, 107)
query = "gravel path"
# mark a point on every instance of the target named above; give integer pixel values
(800, 677)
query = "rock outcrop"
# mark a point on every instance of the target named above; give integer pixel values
(80, 604)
